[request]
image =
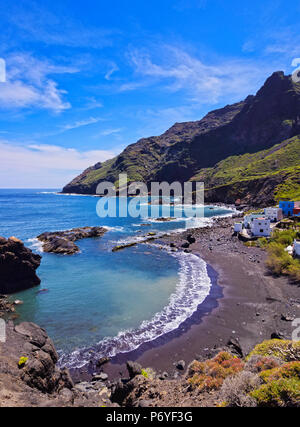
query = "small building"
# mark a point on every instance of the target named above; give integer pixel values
(287, 208)
(274, 214)
(238, 227)
(297, 247)
(248, 219)
(261, 227)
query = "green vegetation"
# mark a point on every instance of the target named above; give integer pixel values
(279, 261)
(287, 351)
(145, 373)
(281, 393)
(288, 370)
(148, 373)
(22, 362)
(210, 375)
(270, 378)
(282, 161)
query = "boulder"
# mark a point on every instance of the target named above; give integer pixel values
(18, 266)
(134, 369)
(102, 361)
(40, 370)
(191, 239)
(181, 365)
(185, 245)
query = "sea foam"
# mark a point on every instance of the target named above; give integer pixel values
(192, 289)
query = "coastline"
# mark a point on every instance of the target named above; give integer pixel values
(245, 304)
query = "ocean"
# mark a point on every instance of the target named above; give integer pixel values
(98, 301)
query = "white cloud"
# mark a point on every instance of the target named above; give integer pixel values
(28, 84)
(37, 23)
(92, 103)
(81, 123)
(47, 166)
(203, 83)
(110, 72)
(108, 132)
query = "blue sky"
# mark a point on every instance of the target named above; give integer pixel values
(86, 78)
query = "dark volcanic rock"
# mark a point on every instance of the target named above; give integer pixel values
(18, 266)
(62, 242)
(181, 365)
(39, 370)
(134, 369)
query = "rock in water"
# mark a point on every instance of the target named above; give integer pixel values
(18, 266)
(62, 242)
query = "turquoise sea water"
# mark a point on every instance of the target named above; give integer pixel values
(109, 301)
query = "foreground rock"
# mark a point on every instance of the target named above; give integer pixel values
(62, 242)
(18, 266)
(29, 375)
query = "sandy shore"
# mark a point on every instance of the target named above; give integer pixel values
(244, 303)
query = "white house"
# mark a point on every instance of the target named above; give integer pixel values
(297, 247)
(274, 214)
(261, 227)
(248, 219)
(238, 227)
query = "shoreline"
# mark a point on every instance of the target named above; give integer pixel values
(244, 304)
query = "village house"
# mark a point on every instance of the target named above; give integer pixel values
(261, 227)
(296, 209)
(248, 219)
(297, 248)
(238, 227)
(287, 208)
(274, 214)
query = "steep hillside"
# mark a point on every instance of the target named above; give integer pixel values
(257, 178)
(251, 126)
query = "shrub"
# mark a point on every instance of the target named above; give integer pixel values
(258, 363)
(144, 373)
(293, 270)
(210, 375)
(284, 238)
(263, 242)
(288, 351)
(280, 393)
(148, 373)
(235, 389)
(22, 362)
(278, 260)
(288, 370)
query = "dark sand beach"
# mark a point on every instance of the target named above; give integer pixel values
(245, 303)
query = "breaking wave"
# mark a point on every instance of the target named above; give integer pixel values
(192, 289)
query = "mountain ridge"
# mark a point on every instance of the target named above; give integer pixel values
(257, 123)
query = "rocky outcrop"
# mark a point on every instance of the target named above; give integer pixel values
(62, 242)
(29, 375)
(39, 370)
(18, 266)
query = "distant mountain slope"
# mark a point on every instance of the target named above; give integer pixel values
(257, 178)
(189, 150)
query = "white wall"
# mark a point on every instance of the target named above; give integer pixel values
(238, 227)
(274, 214)
(261, 227)
(297, 247)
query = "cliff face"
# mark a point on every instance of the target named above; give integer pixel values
(257, 123)
(18, 266)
